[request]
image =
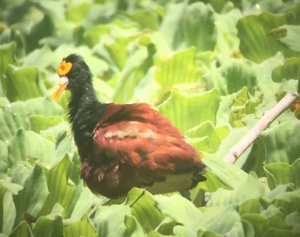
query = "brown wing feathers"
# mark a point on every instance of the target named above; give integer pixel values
(140, 141)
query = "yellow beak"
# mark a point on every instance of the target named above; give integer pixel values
(62, 85)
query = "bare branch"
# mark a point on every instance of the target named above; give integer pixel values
(262, 124)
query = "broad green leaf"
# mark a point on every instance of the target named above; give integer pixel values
(30, 145)
(250, 206)
(23, 84)
(172, 25)
(48, 226)
(12, 117)
(185, 111)
(232, 77)
(144, 209)
(251, 188)
(262, 224)
(275, 232)
(293, 219)
(133, 228)
(21, 230)
(43, 106)
(292, 36)
(180, 68)
(178, 208)
(92, 36)
(288, 201)
(31, 199)
(78, 13)
(83, 203)
(7, 210)
(80, 228)
(118, 51)
(166, 226)
(258, 41)
(284, 173)
(61, 191)
(130, 76)
(146, 19)
(40, 57)
(228, 174)
(206, 129)
(110, 220)
(225, 24)
(6, 58)
(39, 122)
(212, 183)
(199, 27)
(289, 70)
(219, 225)
(281, 142)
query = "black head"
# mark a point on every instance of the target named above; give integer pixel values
(74, 75)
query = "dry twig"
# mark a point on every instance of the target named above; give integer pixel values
(262, 124)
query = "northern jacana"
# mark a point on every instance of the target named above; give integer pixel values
(124, 145)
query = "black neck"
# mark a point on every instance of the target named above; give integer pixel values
(85, 112)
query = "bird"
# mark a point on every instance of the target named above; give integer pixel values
(122, 146)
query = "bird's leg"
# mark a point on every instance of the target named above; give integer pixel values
(143, 192)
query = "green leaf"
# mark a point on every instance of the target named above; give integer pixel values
(12, 117)
(206, 129)
(61, 191)
(258, 41)
(180, 68)
(228, 174)
(178, 208)
(212, 183)
(292, 37)
(23, 84)
(31, 199)
(7, 210)
(187, 113)
(92, 36)
(251, 188)
(275, 232)
(133, 227)
(39, 122)
(80, 228)
(289, 70)
(232, 77)
(145, 19)
(48, 226)
(43, 106)
(21, 230)
(6, 58)
(30, 145)
(78, 13)
(284, 173)
(130, 76)
(199, 27)
(109, 220)
(281, 142)
(144, 209)
(262, 224)
(39, 57)
(172, 25)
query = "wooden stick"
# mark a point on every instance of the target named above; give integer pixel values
(268, 117)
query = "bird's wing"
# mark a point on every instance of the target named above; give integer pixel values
(139, 137)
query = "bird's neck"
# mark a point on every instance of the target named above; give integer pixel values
(85, 112)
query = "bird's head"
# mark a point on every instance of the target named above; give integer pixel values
(74, 74)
